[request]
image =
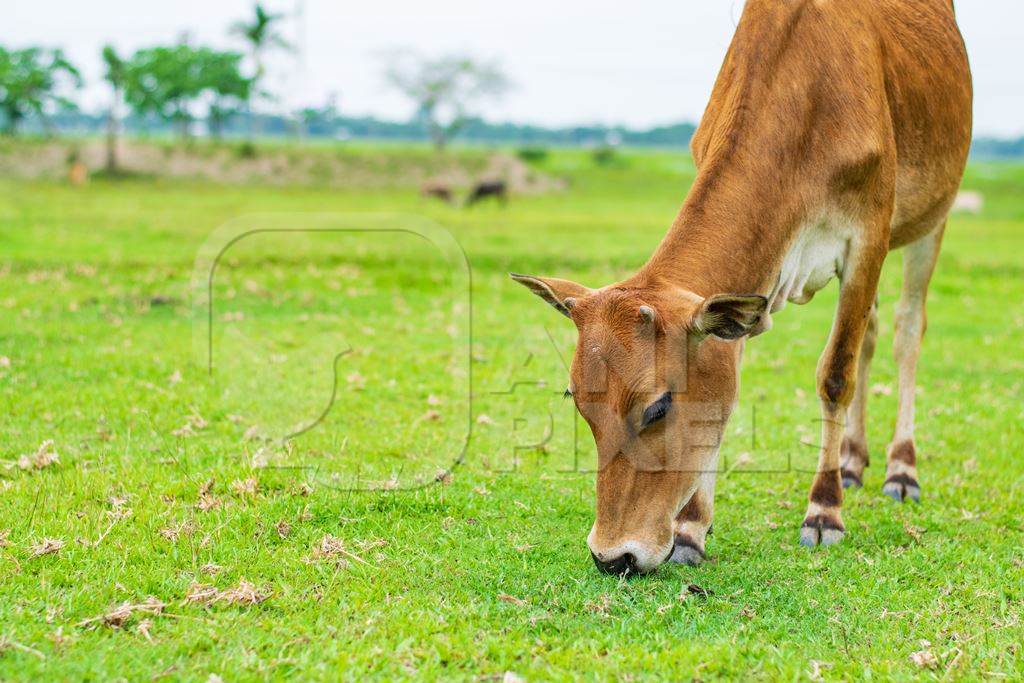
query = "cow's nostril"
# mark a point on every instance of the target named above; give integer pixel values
(624, 565)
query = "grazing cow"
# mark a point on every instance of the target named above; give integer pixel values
(836, 132)
(488, 188)
(438, 189)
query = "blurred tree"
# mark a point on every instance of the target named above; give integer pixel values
(116, 75)
(321, 121)
(444, 88)
(164, 81)
(262, 35)
(229, 89)
(171, 82)
(31, 81)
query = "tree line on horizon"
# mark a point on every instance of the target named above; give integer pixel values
(328, 124)
(174, 86)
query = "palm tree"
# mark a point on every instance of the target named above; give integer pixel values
(262, 35)
(116, 75)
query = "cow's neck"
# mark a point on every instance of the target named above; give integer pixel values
(731, 232)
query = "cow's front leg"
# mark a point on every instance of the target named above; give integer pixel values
(837, 381)
(694, 522)
(823, 523)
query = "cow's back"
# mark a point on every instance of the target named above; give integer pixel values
(930, 98)
(824, 86)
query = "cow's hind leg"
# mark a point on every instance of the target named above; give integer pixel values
(854, 454)
(918, 264)
(694, 523)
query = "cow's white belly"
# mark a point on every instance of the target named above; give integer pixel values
(817, 255)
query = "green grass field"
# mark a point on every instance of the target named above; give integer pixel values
(175, 537)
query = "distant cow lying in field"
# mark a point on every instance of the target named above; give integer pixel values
(836, 132)
(488, 188)
(438, 189)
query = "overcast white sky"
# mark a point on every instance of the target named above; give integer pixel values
(640, 63)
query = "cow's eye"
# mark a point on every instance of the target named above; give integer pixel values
(656, 410)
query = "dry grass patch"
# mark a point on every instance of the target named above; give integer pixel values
(119, 616)
(47, 546)
(332, 549)
(45, 456)
(245, 593)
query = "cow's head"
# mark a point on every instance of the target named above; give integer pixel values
(655, 377)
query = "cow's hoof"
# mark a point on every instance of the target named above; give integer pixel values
(851, 480)
(686, 551)
(821, 530)
(902, 487)
(854, 458)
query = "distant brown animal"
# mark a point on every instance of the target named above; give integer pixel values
(440, 190)
(836, 132)
(488, 188)
(78, 173)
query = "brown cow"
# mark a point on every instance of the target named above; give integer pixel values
(836, 132)
(438, 189)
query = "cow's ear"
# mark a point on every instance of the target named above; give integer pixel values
(730, 316)
(561, 294)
